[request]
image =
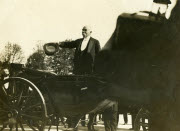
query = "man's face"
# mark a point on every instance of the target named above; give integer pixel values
(86, 31)
(6, 72)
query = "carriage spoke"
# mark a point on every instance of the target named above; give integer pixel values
(9, 88)
(4, 90)
(31, 117)
(7, 95)
(39, 128)
(16, 126)
(20, 124)
(30, 126)
(31, 107)
(144, 124)
(28, 99)
(22, 128)
(1, 101)
(22, 95)
(49, 128)
(12, 88)
(20, 98)
(4, 95)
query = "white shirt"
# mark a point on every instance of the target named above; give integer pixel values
(84, 43)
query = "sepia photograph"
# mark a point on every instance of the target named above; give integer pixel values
(89, 65)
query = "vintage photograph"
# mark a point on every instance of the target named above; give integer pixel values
(89, 65)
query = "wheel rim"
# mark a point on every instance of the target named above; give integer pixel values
(142, 120)
(21, 105)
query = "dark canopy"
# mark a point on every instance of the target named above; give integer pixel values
(142, 61)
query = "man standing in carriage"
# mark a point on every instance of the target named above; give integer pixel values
(86, 49)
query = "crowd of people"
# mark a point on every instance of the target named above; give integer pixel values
(87, 120)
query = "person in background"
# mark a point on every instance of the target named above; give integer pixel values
(110, 116)
(125, 116)
(4, 74)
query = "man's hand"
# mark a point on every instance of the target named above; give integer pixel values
(61, 44)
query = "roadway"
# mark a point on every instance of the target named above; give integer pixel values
(100, 125)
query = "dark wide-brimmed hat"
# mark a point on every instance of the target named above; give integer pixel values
(50, 48)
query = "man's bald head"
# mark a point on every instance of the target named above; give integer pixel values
(86, 31)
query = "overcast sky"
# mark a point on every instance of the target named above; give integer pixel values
(28, 21)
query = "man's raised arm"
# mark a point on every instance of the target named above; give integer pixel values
(68, 44)
(53, 47)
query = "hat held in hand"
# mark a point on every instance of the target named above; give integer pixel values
(50, 48)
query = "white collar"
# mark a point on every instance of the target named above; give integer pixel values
(85, 43)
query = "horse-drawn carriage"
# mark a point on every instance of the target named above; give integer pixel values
(38, 99)
(138, 66)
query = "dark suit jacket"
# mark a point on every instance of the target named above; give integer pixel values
(83, 60)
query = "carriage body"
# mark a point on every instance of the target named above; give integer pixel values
(69, 94)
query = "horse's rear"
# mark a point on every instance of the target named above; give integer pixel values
(141, 60)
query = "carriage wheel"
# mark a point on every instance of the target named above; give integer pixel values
(142, 120)
(22, 105)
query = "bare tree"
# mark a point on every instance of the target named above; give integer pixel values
(62, 61)
(12, 53)
(36, 59)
